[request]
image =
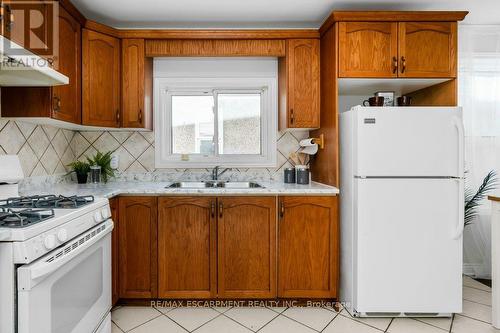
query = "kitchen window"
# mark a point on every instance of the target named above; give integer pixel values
(227, 121)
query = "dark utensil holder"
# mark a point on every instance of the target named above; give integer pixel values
(303, 176)
(289, 176)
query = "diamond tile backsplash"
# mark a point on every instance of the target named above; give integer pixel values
(47, 150)
(43, 150)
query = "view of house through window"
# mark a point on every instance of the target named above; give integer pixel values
(236, 131)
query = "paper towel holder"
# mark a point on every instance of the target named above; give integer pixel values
(320, 141)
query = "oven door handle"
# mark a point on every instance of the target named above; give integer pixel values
(28, 274)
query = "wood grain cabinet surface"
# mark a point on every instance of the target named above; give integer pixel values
(67, 99)
(428, 49)
(187, 266)
(392, 49)
(59, 102)
(138, 247)
(136, 85)
(246, 232)
(307, 247)
(368, 49)
(299, 85)
(101, 79)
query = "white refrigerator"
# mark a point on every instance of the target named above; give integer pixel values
(402, 209)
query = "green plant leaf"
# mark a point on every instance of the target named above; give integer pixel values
(473, 200)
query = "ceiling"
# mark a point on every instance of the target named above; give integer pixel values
(260, 13)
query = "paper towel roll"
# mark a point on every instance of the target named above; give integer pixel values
(308, 146)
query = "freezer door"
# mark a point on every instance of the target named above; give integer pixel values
(409, 254)
(411, 141)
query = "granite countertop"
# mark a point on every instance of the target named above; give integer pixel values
(112, 189)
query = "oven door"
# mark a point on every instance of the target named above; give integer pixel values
(69, 289)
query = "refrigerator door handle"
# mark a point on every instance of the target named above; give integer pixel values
(459, 228)
(460, 129)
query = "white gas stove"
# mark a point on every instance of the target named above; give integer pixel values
(55, 260)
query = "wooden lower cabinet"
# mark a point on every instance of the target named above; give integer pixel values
(246, 250)
(203, 247)
(308, 247)
(115, 272)
(187, 247)
(138, 247)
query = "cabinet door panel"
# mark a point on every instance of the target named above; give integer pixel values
(368, 49)
(303, 83)
(136, 112)
(138, 247)
(308, 247)
(187, 247)
(247, 247)
(66, 99)
(101, 79)
(428, 49)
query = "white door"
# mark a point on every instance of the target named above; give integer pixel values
(68, 290)
(408, 141)
(409, 245)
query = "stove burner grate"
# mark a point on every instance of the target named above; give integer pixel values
(47, 201)
(22, 218)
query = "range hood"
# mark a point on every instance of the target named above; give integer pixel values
(22, 68)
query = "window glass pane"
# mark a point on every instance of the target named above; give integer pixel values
(239, 123)
(193, 125)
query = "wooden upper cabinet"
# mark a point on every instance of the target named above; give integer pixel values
(101, 79)
(138, 247)
(187, 247)
(247, 247)
(428, 49)
(368, 49)
(136, 85)
(66, 99)
(299, 85)
(58, 102)
(308, 247)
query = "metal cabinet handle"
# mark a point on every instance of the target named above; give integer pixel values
(394, 65)
(57, 104)
(282, 209)
(212, 209)
(118, 117)
(403, 64)
(291, 116)
(140, 116)
(221, 209)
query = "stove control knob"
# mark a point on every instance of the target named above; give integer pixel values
(62, 235)
(49, 242)
(105, 213)
(97, 217)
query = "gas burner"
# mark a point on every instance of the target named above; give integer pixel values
(47, 201)
(23, 218)
(24, 202)
(73, 201)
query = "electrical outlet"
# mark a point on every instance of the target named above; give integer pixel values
(114, 161)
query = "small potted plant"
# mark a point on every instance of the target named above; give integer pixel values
(81, 169)
(104, 161)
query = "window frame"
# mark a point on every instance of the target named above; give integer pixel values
(166, 87)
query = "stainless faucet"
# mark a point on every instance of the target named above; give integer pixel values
(216, 174)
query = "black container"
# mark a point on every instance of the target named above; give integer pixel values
(289, 176)
(81, 178)
(303, 176)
